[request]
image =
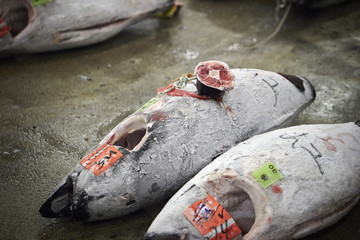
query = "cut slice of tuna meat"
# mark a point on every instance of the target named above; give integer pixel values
(213, 78)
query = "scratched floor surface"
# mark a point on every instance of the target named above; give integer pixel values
(55, 106)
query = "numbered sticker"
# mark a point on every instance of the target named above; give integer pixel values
(101, 159)
(212, 220)
(148, 104)
(39, 2)
(267, 174)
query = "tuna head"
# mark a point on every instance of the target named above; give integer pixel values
(154, 151)
(63, 24)
(279, 185)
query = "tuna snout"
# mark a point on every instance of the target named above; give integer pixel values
(59, 203)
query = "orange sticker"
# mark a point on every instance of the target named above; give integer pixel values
(101, 159)
(212, 220)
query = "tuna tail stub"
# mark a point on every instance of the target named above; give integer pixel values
(357, 122)
(59, 203)
(299, 83)
(213, 78)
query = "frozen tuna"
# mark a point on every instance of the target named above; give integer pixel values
(156, 150)
(48, 25)
(283, 184)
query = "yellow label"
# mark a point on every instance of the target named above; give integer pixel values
(39, 2)
(148, 104)
(267, 175)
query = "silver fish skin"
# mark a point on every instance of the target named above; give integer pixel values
(64, 24)
(320, 165)
(167, 143)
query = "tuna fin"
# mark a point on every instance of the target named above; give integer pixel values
(357, 122)
(58, 204)
(171, 12)
(299, 84)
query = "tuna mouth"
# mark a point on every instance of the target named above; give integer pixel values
(130, 134)
(17, 15)
(59, 203)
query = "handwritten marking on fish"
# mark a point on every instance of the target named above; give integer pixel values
(302, 202)
(169, 140)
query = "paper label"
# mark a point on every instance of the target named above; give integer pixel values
(267, 174)
(212, 220)
(101, 159)
(148, 104)
(4, 28)
(39, 2)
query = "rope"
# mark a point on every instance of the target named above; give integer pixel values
(281, 23)
(175, 88)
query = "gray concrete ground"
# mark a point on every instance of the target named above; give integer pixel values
(55, 106)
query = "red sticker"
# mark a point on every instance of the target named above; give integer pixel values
(101, 159)
(4, 28)
(212, 220)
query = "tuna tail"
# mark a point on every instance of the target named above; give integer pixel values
(357, 122)
(170, 12)
(59, 203)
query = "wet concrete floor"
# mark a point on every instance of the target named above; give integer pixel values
(55, 106)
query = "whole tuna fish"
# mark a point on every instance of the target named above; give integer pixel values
(283, 184)
(154, 151)
(62, 24)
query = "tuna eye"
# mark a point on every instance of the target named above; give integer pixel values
(130, 134)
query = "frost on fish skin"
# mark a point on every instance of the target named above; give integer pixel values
(167, 143)
(319, 185)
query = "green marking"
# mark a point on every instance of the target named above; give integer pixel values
(39, 2)
(267, 174)
(148, 104)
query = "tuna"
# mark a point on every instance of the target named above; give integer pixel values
(283, 184)
(153, 152)
(49, 25)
